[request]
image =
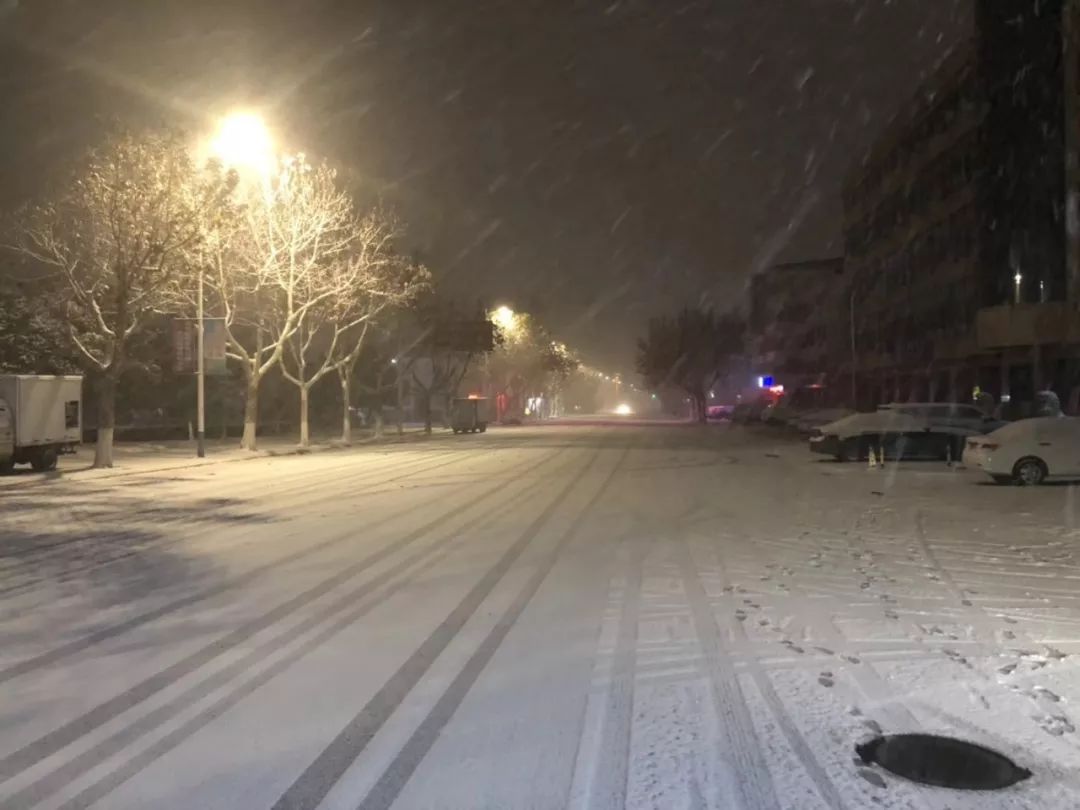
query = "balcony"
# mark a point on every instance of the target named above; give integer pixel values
(1026, 325)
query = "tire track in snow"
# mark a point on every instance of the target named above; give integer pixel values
(393, 780)
(38, 554)
(100, 557)
(311, 786)
(754, 785)
(104, 634)
(379, 589)
(824, 785)
(609, 779)
(54, 741)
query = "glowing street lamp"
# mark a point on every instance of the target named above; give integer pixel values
(508, 321)
(243, 142)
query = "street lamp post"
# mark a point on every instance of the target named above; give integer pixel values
(854, 354)
(242, 142)
(200, 374)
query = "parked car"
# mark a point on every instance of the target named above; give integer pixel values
(1028, 452)
(904, 430)
(807, 422)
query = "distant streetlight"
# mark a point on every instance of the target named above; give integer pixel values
(244, 142)
(1016, 280)
(508, 321)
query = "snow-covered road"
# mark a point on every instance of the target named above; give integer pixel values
(581, 617)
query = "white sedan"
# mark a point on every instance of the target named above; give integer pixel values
(1028, 452)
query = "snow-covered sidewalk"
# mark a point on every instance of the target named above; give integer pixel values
(160, 456)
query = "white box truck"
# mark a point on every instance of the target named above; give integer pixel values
(40, 418)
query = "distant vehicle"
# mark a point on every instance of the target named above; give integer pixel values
(40, 419)
(904, 430)
(469, 415)
(795, 404)
(1028, 452)
(746, 412)
(719, 411)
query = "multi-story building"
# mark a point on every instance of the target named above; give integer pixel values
(792, 325)
(961, 265)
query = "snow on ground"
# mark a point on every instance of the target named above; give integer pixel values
(587, 616)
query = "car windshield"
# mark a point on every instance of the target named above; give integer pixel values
(539, 404)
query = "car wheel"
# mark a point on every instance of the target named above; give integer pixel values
(850, 450)
(44, 461)
(1029, 472)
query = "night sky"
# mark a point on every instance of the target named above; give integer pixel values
(592, 162)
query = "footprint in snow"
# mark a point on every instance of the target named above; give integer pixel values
(873, 777)
(852, 659)
(1046, 694)
(740, 615)
(824, 650)
(1055, 725)
(1007, 669)
(826, 680)
(891, 614)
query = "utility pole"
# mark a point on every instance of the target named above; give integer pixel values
(200, 374)
(851, 318)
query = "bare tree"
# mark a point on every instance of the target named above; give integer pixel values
(690, 351)
(114, 237)
(442, 351)
(365, 282)
(390, 282)
(271, 268)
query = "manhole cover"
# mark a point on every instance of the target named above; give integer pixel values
(942, 761)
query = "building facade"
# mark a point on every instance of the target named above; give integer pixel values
(959, 258)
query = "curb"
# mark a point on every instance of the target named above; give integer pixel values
(209, 461)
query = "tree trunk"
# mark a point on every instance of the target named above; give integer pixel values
(103, 451)
(427, 413)
(346, 414)
(379, 426)
(400, 405)
(305, 438)
(251, 411)
(702, 412)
